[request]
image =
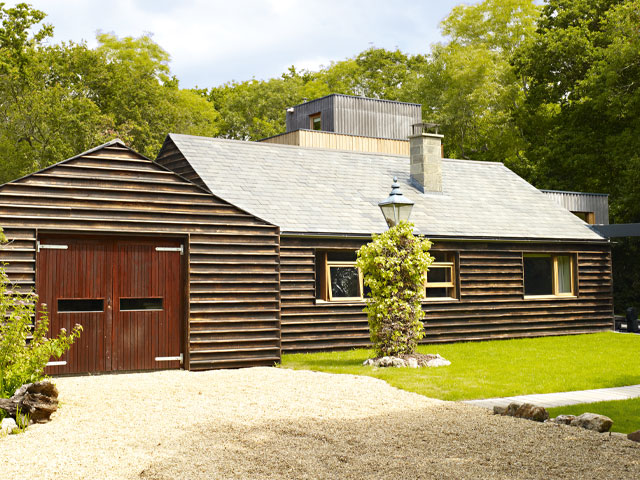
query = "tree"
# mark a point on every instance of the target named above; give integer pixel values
(394, 265)
(469, 86)
(254, 109)
(582, 115)
(59, 100)
(42, 118)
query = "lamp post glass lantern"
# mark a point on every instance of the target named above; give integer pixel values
(396, 208)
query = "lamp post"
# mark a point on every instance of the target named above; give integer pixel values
(396, 208)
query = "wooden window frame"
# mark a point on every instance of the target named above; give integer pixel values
(312, 118)
(554, 275)
(451, 265)
(328, 266)
(324, 293)
(589, 217)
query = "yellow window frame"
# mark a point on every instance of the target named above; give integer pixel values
(451, 266)
(555, 279)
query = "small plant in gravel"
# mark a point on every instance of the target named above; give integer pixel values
(22, 420)
(393, 265)
(24, 347)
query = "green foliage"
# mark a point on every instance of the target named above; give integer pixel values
(393, 265)
(582, 113)
(256, 109)
(22, 360)
(500, 368)
(22, 420)
(470, 87)
(582, 116)
(58, 100)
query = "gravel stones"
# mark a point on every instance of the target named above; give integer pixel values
(635, 436)
(592, 421)
(589, 421)
(532, 412)
(563, 419)
(413, 360)
(7, 426)
(274, 423)
(523, 410)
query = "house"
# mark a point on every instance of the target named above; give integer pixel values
(224, 253)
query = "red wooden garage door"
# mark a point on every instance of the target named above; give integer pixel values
(124, 292)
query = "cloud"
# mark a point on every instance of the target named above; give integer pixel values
(211, 42)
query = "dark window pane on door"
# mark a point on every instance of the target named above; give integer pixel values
(538, 275)
(140, 304)
(80, 305)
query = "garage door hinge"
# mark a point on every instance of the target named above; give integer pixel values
(41, 246)
(170, 359)
(171, 249)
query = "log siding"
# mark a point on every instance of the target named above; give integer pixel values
(490, 303)
(232, 294)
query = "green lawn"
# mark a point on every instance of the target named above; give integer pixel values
(624, 413)
(500, 368)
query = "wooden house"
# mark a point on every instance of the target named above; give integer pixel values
(226, 253)
(158, 271)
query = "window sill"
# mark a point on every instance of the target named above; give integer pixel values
(549, 297)
(363, 301)
(440, 300)
(350, 301)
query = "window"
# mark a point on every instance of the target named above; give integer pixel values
(440, 281)
(337, 277)
(548, 275)
(588, 217)
(68, 305)
(134, 304)
(315, 121)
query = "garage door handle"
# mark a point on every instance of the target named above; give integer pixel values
(109, 303)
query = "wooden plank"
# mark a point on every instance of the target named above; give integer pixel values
(491, 304)
(117, 191)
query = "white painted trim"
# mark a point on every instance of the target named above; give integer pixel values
(50, 247)
(171, 249)
(170, 359)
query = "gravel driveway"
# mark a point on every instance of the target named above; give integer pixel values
(276, 423)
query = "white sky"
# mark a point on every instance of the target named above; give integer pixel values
(212, 42)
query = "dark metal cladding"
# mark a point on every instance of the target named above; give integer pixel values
(367, 117)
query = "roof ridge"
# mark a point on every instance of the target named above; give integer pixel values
(330, 150)
(115, 141)
(280, 145)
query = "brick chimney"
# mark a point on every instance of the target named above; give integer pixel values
(426, 158)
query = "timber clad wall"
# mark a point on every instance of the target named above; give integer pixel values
(490, 305)
(232, 312)
(339, 141)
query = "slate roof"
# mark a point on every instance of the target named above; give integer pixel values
(307, 190)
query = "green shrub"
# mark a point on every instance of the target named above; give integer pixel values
(23, 359)
(393, 265)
